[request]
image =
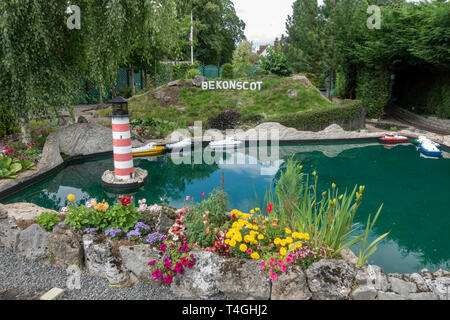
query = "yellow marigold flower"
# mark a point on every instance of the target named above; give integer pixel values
(234, 225)
(306, 236)
(232, 243)
(255, 255)
(252, 211)
(257, 209)
(277, 241)
(283, 251)
(255, 227)
(260, 237)
(298, 245)
(283, 242)
(227, 241)
(243, 247)
(254, 242)
(247, 238)
(289, 240)
(287, 230)
(70, 197)
(249, 226)
(295, 235)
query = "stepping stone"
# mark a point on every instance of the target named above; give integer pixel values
(53, 294)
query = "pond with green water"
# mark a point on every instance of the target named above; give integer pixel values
(414, 190)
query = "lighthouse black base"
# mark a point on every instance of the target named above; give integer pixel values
(110, 181)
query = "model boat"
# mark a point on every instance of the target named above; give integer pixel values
(430, 149)
(180, 145)
(225, 144)
(150, 149)
(391, 138)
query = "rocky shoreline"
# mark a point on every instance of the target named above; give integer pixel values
(213, 275)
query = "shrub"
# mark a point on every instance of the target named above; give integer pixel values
(317, 119)
(227, 71)
(48, 220)
(6, 121)
(227, 119)
(276, 63)
(125, 92)
(373, 90)
(191, 73)
(252, 118)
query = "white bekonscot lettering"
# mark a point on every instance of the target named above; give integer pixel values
(231, 85)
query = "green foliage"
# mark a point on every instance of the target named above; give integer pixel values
(316, 119)
(148, 127)
(252, 118)
(227, 71)
(10, 167)
(243, 59)
(212, 211)
(117, 217)
(180, 70)
(191, 73)
(373, 90)
(275, 62)
(48, 220)
(6, 122)
(126, 92)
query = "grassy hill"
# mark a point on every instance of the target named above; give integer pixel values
(183, 104)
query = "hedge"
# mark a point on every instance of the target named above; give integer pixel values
(350, 115)
(372, 88)
(6, 121)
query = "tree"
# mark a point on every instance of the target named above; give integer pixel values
(244, 58)
(41, 59)
(275, 62)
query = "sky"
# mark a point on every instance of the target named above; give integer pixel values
(265, 19)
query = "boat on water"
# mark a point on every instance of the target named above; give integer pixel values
(180, 145)
(225, 144)
(393, 138)
(421, 139)
(430, 149)
(150, 149)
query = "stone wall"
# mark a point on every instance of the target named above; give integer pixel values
(330, 279)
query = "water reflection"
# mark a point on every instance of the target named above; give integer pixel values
(414, 190)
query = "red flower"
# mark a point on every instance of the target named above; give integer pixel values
(203, 194)
(125, 201)
(269, 207)
(168, 279)
(151, 262)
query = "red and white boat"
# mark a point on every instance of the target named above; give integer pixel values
(393, 138)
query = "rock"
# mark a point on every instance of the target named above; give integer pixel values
(82, 119)
(33, 243)
(377, 278)
(441, 273)
(136, 258)
(182, 110)
(364, 293)
(333, 129)
(389, 296)
(159, 95)
(62, 121)
(348, 256)
(173, 83)
(9, 233)
(361, 275)
(84, 139)
(164, 223)
(3, 212)
(402, 287)
(198, 80)
(25, 210)
(237, 101)
(65, 244)
(200, 281)
(166, 98)
(330, 279)
(140, 175)
(426, 274)
(441, 287)
(51, 156)
(446, 140)
(419, 281)
(291, 285)
(242, 280)
(423, 296)
(292, 93)
(99, 260)
(303, 79)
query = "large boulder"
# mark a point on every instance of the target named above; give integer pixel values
(200, 281)
(402, 287)
(84, 139)
(100, 261)
(364, 293)
(243, 280)
(348, 256)
(377, 278)
(304, 80)
(164, 223)
(198, 80)
(66, 245)
(330, 279)
(291, 285)
(51, 156)
(25, 210)
(135, 259)
(33, 243)
(441, 287)
(9, 233)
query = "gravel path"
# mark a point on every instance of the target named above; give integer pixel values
(22, 279)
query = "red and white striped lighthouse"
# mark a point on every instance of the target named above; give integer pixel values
(123, 157)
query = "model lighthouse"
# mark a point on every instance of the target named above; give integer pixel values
(124, 176)
(123, 157)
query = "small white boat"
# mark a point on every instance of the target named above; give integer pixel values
(227, 143)
(430, 149)
(423, 139)
(180, 144)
